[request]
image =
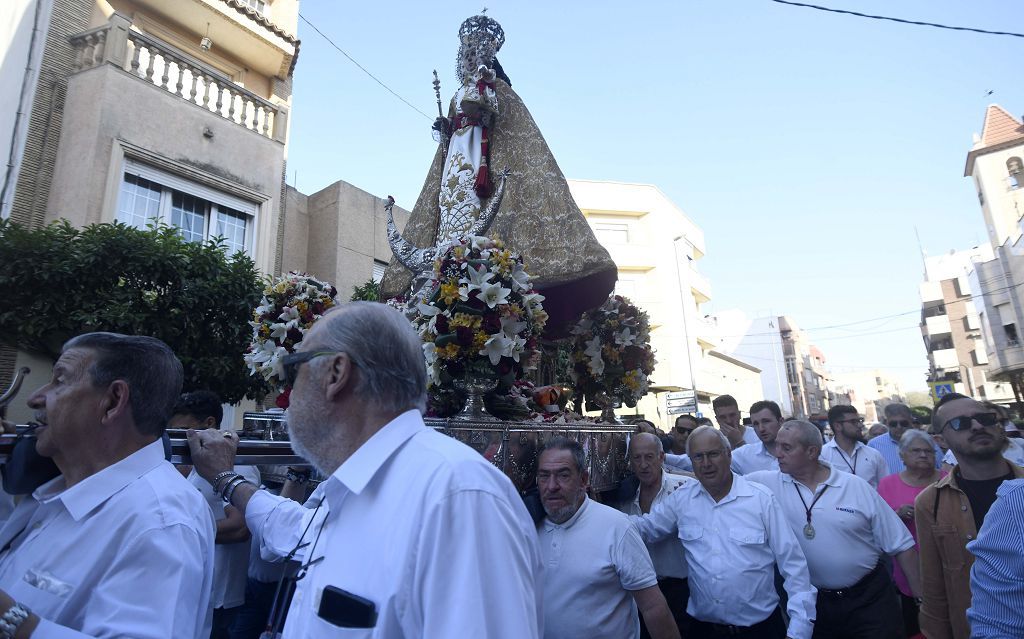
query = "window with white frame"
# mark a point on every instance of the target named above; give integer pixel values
(379, 266)
(611, 233)
(199, 212)
(258, 5)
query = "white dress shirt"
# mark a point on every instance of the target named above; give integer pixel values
(230, 561)
(592, 562)
(732, 547)
(752, 458)
(126, 552)
(853, 526)
(865, 462)
(423, 527)
(667, 554)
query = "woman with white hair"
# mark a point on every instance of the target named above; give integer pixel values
(899, 490)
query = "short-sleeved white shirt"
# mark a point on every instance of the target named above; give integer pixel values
(667, 554)
(230, 561)
(752, 458)
(853, 526)
(592, 562)
(865, 462)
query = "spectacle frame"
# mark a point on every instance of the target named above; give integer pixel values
(964, 421)
(291, 362)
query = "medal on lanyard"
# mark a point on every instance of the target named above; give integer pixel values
(809, 528)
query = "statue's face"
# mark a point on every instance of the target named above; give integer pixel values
(475, 53)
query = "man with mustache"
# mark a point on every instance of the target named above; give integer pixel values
(950, 512)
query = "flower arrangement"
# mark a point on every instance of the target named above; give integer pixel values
(483, 318)
(289, 307)
(612, 352)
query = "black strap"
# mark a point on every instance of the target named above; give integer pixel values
(804, 501)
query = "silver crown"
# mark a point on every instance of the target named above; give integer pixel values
(476, 27)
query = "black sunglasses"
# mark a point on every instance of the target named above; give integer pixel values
(964, 421)
(291, 362)
(904, 423)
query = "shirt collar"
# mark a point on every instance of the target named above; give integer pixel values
(740, 488)
(568, 523)
(832, 444)
(86, 495)
(363, 464)
(832, 479)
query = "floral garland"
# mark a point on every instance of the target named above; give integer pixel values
(612, 352)
(289, 307)
(483, 318)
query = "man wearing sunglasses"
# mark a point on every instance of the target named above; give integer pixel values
(949, 513)
(417, 534)
(898, 419)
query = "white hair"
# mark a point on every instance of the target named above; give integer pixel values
(704, 429)
(913, 434)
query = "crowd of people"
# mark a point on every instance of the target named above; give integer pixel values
(757, 529)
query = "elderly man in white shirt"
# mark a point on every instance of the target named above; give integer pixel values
(597, 571)
(417, 535)
(733, 535)
(118, 544)
(845, 528)
(845, 452)
(765, 420)
(646, 460)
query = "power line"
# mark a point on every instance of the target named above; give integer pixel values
(362, 68)
(916, 23)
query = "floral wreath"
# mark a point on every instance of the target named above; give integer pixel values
(483, 318)
(612, 352)
(289, 307)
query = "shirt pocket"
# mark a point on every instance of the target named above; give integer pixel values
(690, 533)
(747, 536)
(42, 592)
(950, 546)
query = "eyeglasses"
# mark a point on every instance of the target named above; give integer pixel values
(899, 423)
(964, 421)
(711, 455)
(852, 420)
(291, 362)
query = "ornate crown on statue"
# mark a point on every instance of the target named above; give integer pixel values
(479, 29)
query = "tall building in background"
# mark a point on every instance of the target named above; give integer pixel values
(996, 165)
(657, 249)
(951, 326)
(135, 110)
(805, 371)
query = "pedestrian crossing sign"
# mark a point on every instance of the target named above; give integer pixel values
(940, 389)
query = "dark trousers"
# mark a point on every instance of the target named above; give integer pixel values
(677, 594)
(252, 616)
(222, 620)
(771, 628)
(911, 626)
(869, 609)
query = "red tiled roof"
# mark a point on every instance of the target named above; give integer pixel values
(1000, 127)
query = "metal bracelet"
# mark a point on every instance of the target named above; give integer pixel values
(234, 481)
(12, 619)
(231, 491)
(221, 475)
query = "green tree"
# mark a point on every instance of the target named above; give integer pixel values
(58, 281)
(368, 292)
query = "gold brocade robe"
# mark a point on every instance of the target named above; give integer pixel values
(538, 218)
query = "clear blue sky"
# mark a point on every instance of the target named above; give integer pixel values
(807, 145)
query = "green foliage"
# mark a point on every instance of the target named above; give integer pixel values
(368, 292)
(922, 413)
(58, 281)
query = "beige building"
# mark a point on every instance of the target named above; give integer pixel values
(805, 371)
(869, 391)
(996, 165)
(142, 109)
(657, 249)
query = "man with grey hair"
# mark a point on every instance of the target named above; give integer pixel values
(86, 551)
(844, 529)
(898, 418)
(417, 535)
(733, 536)
(646, 461)
(598, 573)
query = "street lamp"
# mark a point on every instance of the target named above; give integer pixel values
(686, 332)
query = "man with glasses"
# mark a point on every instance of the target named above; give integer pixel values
(950, 512)
(898, 419)
(846, 452)
(597, 571)
(416, 535)
(733, 535)
(676, 460)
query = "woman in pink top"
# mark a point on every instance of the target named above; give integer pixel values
(899, 491)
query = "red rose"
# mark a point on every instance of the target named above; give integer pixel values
(463, 335)
(283, 399)
(441, 323)
(491, 323)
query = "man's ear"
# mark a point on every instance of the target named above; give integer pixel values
(117, 401)
(585, 478)
(339, 377)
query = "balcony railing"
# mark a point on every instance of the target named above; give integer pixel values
(177, 73)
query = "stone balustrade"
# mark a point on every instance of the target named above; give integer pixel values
(176, 72)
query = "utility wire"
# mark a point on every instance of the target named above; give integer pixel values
(899, 20)
(363, 69)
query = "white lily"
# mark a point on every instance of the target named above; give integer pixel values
(495, 347)
(289, 313)
(494, 294)
(479, 242)
(593, 351)
(581, 326)
(516, 347)
(520, 278)
(625, 337)
(476, 280)
(510, 327)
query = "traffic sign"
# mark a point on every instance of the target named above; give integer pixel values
(671, 403)
(686, 394)
(940, 389)
(680, 410)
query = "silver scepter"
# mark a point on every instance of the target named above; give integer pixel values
(439, 135)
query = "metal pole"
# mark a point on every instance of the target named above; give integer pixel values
(686, 332)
